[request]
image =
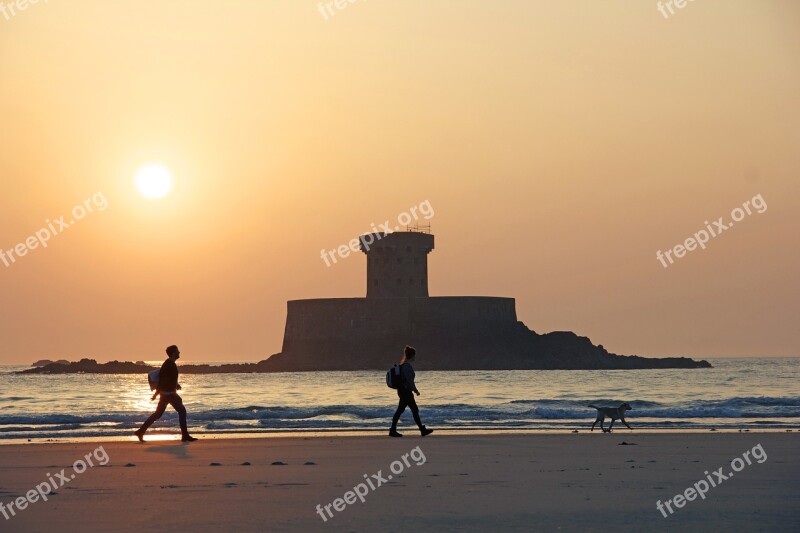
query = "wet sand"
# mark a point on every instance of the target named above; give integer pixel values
(580, 482)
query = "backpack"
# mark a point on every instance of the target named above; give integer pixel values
(152, 377)
(393, 377)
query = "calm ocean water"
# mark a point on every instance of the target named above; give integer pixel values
(737, 393)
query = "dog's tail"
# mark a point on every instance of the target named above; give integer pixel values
(593, 406)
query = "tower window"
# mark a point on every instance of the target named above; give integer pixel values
(399, 281)
(399, 260)
(408, 249)
(375, 281)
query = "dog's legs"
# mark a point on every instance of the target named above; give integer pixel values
(623, 421)
(611, 425)
(595, 422)
(601, 425)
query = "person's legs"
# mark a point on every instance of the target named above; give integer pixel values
(177, 403)
(412, 403)
(162, 406)
(401, 407)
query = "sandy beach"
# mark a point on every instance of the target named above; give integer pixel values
(445, 483)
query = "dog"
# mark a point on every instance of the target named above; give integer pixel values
(613, 413)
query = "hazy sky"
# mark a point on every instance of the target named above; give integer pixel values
(560, 144)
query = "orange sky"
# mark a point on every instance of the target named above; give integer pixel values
(561, 144)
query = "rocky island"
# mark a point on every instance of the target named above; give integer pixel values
(449, 332)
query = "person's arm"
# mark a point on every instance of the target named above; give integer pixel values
(173, 377)
(161, 380)
(410, 376)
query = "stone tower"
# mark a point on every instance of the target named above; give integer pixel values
(452, 332)
(397, 263)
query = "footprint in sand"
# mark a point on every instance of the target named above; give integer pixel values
(129, 465)
(279, 463)
(215, 464)
(246, 463)
(309, 463)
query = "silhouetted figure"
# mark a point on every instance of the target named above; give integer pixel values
(167, 388)
(406, 392)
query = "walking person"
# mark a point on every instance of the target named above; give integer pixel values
(406, 392)
(168, 388)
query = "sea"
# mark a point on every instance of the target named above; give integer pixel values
(738, 394)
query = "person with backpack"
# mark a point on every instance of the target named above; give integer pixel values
(168, 388)
(406, 388)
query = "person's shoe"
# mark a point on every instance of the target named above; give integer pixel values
(395, 434)
(139, 435)
(425, 431)
(188, 438)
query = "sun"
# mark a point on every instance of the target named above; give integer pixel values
(154, 181)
